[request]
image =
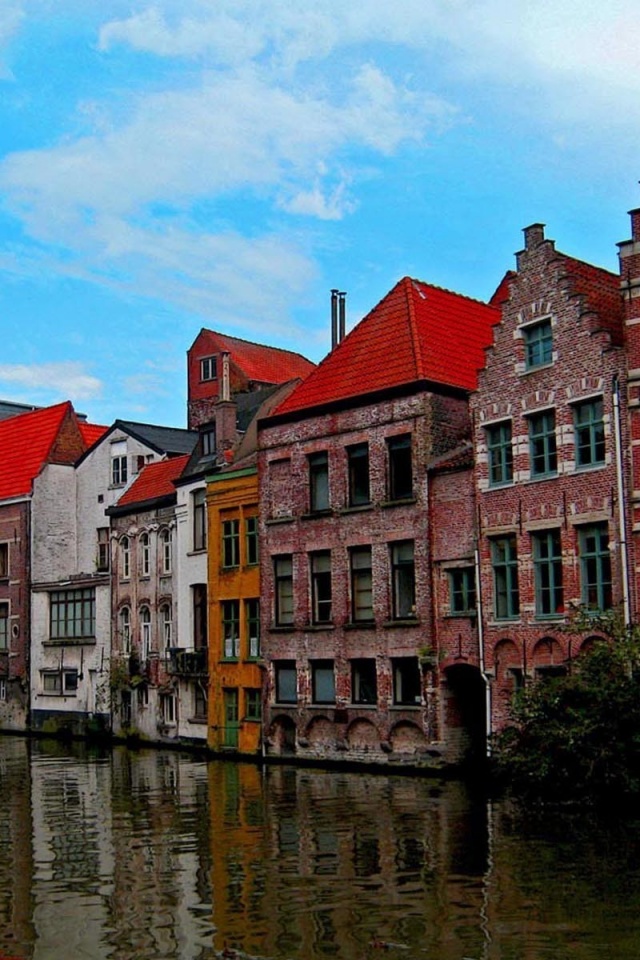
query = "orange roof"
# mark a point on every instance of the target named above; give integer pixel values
(26, 443)
(154, 480)
(259, 363)
(418, 332)
(91, 432)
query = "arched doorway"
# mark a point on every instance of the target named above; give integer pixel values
(465, 713)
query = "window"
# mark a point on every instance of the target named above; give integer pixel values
(361, 584)
(52, 682)
(364, 681)
(358, 466)
(102, 554)
(318, 481)
(168, 708)
(252, 703)
(70, 680)
(124, 618)
(167, 625)
(199, 520)
(59, 682)
(199, 597)
(595, 566)
(72, 614)
(4, 560)
(231, 629)
(400, 468)
(406, 681)
(538, 344)
(125, 558)
(208, 368)
(504, 559)
(462, 590)
(119, 463)
(542, 443)
(283, 573)
(200, 702)
(500, 453)
(167, 551)
(251, 540)
(321, 587)
(145, 632)
(4, 626)
(403, 580)
(230, 543)
(252, 619)
(145, 555)
(588, 424)
(285, 679)
(209, 440)
(3, 689)
(547, 564)
(323, 684)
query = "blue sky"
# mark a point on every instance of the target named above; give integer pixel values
(173, 165)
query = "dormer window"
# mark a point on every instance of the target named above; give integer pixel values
(538, 344)
(209, 368)
(209, 440)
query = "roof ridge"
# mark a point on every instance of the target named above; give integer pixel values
(410, 287)
(453, 293)
(252, 343)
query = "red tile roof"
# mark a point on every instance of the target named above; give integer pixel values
(91, 432)
(154, 480)
(259, 363)
(418, 332)
(26, 443)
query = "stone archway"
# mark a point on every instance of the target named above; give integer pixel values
(465, 714)
(321, 734)
(363, 735)
(407, 737)
(548, 659)
(282, 736)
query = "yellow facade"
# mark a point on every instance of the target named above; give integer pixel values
(235, 674)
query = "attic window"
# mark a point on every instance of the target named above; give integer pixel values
(208, 368)
(209, 440)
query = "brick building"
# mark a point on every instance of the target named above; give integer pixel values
(347, 617)
(216, 359)
(550, 454)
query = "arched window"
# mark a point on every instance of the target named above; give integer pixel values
(125, 558)
(125, 630)
(145, 555)
(145, 632)
(166, 551)
(167, 625)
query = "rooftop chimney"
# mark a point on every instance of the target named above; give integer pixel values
(533, 236)
(225, 389)
(334, 318)
(341, 315)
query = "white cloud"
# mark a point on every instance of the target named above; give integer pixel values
(64, 379)
(11, 16)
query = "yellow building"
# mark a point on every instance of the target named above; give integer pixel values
(235, 674)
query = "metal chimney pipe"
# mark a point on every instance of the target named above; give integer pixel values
(342, 314)
(334, 318)
(225, 393)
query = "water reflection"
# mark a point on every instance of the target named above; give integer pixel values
(156, 854)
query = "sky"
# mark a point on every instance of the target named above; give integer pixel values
(182, 164)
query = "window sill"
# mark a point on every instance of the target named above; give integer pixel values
(229, 660)
(360, 625)
(317, 514)
(401, 502)
(589, 467)
(461, 615)
(536, 478)
(273, 521)
(287, 704)
(70, 642)
(401, 622)
(319, 627)
(200, 721)
(511, 621)
(283, 628)
(534, 369)
(357, 508)
(197, 552)
(405, 706)
(550, 617)
(502, 485)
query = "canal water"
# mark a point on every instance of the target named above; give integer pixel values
(152, 854)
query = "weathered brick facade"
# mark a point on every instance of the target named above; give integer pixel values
(15, 613)
(546, 442)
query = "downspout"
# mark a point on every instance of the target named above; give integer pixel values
(481, 660)
(622, 511)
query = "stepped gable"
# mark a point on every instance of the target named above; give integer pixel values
(30, 440)
(417, 333)
(600, 290)
(155, 480)
(259, 363)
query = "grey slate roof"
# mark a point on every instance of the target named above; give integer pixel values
(162, 439)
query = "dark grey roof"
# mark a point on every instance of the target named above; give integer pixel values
(161, 439)
(248, 404)
(10, 409)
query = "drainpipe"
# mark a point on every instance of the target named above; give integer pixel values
(622, 511)
(480, 622)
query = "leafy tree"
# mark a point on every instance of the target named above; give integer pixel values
(577, 737)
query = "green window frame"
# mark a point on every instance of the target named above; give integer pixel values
(462, 591)
(252, 622)
(231, 629)
(251, 541)
(542, 444)
(283, 576)
(588, 425)
(595, 567)
(547, 566)
(538, 344)
(252, 703)
(72, 614)
(506, 592)
(500, 453)
(230, 543)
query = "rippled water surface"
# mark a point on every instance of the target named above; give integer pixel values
(153, 854)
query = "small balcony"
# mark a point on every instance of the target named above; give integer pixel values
(187, 663)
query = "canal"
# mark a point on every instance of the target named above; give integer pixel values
(138, 855)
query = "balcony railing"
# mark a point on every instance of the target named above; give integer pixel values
(187, 663)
